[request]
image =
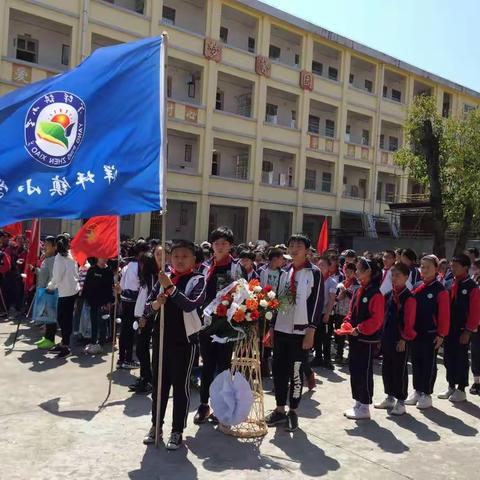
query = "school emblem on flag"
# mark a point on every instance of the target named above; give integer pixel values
(54, 128)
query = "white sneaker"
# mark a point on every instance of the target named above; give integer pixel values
(398, 409)
(359, 413)
(458, 396)
(424, 402)
(413, 398)
(387, 403)
(351, 411)
(446, 394)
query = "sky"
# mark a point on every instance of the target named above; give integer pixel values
(440, 36)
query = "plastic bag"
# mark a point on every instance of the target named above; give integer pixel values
(45, 307)
(85, 327)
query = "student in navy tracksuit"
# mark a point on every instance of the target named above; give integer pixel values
(182, 292)
(409, 258)
(216, 357)
(432, 323)
(293, 330)
(398, 332)
(247, 263)
(464, 320)
(366, 317)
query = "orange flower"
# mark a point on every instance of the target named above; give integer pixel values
(239, 316)
(274, 304)
(251, 304)
(253, 283)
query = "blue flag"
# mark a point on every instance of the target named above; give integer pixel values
(87, 142)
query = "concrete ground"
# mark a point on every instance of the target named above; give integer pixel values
(51, 428)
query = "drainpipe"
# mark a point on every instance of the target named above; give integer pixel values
(84, 28)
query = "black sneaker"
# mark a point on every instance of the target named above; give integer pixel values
(56, 348)
(175, 441)
(213, 419)
(292, 421)
(339, 359)
(65, 352)
(135, 385)
(144, 387)
(276, 418)
(475, 389)
(329, 366)
(202, 414)
(149, 438)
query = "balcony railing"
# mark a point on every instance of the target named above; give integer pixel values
(277, 179)
(323, 144)
(359, 152)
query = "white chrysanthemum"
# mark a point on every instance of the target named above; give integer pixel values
(271, 294)
(243, 308)
(257, 289)
(248, 317)
(263, 303)
(226, 303)
(269, 315)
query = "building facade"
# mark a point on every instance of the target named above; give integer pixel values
(273, 123)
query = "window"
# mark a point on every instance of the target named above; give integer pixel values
(27, 49)
(251, 44)
(351, 78)
(446, 105)
(344, 180)
(169, 86)
(290, 176)
(215, 164)
(333, 73)
(224, 34)
(267, 172)
(65, 54)
(365, 138)
(188, 153)
(382, 141)
(347, 133)
(468, 108)
(274, 52)
(329, 128)
(297, 59)
(183, 215)
(271, 113)
(168, 15)
(326, 182)
(393, 144)
(317, 67)
(362, 185)
(219, 100)
(353, 191)
(385, 91)
(389, 192)
(313, 124)
(396, 95)
(368, 85)
(310, 179)
(241, 167)
(379, 191)
(244, 104)
(293, 119)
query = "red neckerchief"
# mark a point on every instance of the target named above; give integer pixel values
(396, 296)
(423, 286)
(223, 263)
(176, 276)
(293, 287)
(348, 282)
(456, 283)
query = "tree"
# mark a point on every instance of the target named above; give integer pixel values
(444, 156)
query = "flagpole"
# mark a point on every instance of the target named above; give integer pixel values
(115, 309)
(163, 136)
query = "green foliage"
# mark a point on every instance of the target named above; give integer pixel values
(459, 142)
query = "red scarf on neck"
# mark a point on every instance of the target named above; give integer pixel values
(423, 286)
(293, 286)
(177, 276)
(222, 263)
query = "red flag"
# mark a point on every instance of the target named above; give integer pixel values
(97, 238)
(322, 244)
(33, 238)
(14, 229)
